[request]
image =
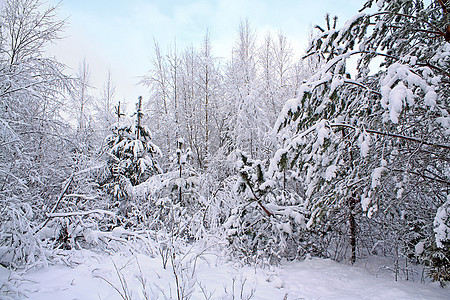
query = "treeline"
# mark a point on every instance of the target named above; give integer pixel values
(218, 105)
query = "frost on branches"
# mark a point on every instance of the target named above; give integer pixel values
(442, 224)
(34, 148)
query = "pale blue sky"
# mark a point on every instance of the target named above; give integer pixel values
(118, 34)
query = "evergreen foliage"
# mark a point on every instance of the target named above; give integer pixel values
(377, 140)
(132, 154)
(261, 229)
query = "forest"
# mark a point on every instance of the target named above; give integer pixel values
(342, 154)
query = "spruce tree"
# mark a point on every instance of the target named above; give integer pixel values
(132, 154)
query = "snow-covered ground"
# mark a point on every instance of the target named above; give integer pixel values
(207, 275)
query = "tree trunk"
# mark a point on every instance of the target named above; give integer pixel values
(352, 227)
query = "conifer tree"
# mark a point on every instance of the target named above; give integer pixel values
(133, 155)
(260, 229)
(376, 138)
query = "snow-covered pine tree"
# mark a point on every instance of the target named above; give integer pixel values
(184, 182)
(133, 155)
(377, 138)
(173, 203)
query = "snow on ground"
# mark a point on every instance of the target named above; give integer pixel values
(206, 275)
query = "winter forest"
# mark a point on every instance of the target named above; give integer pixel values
(231, 177)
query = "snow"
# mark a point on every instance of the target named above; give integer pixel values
(444, 122)
(413, 60)
(396, 96)
(322, 133)
(119, 231)
(365, 144)
(297, 140)
(419, 248)
(98, 276)
(442, 55)
(365, 202)
(430, 98)
(442, 223)
(286, 227)
(376, 176)
(348, 24)
(372, 210)
(397, 89)
(290, 106)
(330, 172)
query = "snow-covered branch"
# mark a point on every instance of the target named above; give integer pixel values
(80, 213)
(408, 138)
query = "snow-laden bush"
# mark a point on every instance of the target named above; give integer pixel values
(19, 244)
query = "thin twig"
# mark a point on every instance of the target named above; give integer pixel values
(408, 138)
(422, 175)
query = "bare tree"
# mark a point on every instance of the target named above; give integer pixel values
(34, 144)
(104, 105)
(209, 83)
(81, 98)
(31, 87)
(240, 80)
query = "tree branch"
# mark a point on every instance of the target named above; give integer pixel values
(406, 16)
(411, 139)
(362, 86)
(444, 8)
(423, 176)
(80, 213)
(258, 200)
(61, 196)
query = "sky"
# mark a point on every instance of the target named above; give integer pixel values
(118, 35)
